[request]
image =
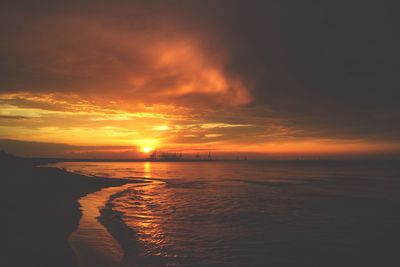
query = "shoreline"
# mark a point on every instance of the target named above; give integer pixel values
(93, 244)
(112, 221)
(41, 211)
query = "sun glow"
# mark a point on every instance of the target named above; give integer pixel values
(147, 145)
(147, 149)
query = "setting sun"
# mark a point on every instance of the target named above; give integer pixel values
(147, 149)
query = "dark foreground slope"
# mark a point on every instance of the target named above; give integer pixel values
(39, 211)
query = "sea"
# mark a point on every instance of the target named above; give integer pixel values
(241, 213)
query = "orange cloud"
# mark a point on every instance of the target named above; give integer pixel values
(118, 59)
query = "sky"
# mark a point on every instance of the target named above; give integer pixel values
(263, 78)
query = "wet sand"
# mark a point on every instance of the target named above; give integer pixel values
(40, 211)
(92, 243)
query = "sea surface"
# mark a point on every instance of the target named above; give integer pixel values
(244, 213)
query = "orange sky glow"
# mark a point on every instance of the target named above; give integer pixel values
(68, 119)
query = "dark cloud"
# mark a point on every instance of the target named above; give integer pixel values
(7, 117)
(327, 66)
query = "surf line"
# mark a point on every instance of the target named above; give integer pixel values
(92, 243)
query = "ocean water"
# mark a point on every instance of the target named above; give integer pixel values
(271, 213)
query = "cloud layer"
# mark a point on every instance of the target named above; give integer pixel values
(233, 75)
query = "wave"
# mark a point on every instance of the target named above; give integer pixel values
(113, 221)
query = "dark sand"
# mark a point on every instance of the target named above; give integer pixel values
(39, 211)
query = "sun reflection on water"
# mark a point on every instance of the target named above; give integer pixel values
(147, 170)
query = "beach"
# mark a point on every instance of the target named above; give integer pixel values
(40, 211)
(200, 214)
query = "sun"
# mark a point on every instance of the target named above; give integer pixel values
(146, 145)
(147, 149)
